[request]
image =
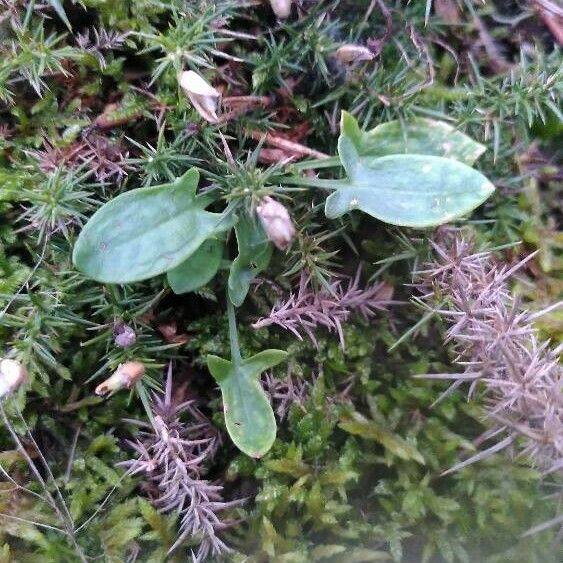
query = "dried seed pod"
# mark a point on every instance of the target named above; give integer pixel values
(282, 8)
(12, 375)
(277, 222)
(351, 53)
(125, 376)
(201, 94)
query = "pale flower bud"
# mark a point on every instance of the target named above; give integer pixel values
(12, 375)
(201, 94)
(276, 221)
(124, 335)
(125, 376)
(351, 53)
(282, 8)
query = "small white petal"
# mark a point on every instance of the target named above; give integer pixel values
(12, 375)
(282, 8)
(192, 82)
(201, 94)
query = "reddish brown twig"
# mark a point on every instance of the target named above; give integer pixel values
(552, 15)
(296, 149)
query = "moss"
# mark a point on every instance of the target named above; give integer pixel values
(355, 472)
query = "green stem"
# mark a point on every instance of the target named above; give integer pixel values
(144, 396)
(424, 319)
(233, 334)
(317, 163)
(228, 211)
(313, 182)
(63, 514)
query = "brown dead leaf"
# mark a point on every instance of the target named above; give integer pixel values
(447, 11)
(170, 333)
(295, 133)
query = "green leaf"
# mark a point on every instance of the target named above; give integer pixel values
(145, 232)
(416, 136)
(363, 555)
(370, 430)
(121, 526)
(57, 5)
(199, 269)
(162, 526)
(295, 468)
(248, 414)
(255, 252)
(12, 182)
(323, 552)
(408, 190)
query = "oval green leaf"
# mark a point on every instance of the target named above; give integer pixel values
(416, 136)
(407, 190)
(200, 268)
(147, 231)
(249, 416)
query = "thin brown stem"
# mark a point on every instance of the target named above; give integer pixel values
(281, 143)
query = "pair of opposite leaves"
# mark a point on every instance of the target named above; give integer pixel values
(416, 174)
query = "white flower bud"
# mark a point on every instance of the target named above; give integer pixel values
(201, 94)
(282, 8)
(126, 375)
(351, 53)
(12, 375)
(277, 222)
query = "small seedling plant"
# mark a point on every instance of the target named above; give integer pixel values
(413, 174)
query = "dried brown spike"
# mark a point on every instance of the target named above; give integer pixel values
(126, 375)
